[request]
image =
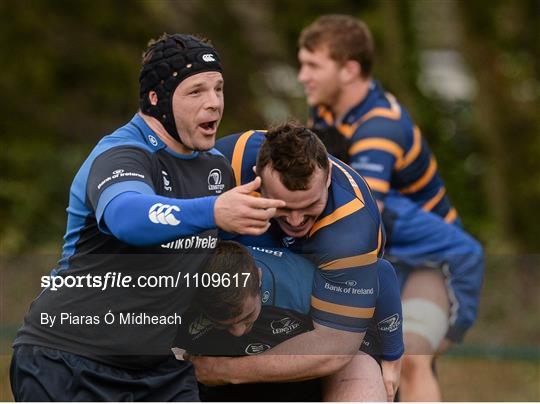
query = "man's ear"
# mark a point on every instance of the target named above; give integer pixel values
(152, 97)
(329, 179)
(350, 71)
(260, 276)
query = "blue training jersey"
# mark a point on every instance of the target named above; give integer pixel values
(345, 243)
(130, 160)
(388, 150)
(285, 297)
(286, 283)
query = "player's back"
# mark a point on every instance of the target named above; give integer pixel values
(388, 149)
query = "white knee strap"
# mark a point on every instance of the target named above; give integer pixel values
(425, 318)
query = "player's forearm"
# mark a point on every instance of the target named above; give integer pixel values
(313, 354)
(282, 368)
(266, 368)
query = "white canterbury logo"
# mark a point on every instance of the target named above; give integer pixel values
(161, 213)
(208, 57)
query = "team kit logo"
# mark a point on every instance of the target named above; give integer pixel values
(256, 348)
(208, 57)
(214, 181)
(166, 181)
(265, 296)
(284, 326)
(153, 141)
(161, 213)
(390, 324)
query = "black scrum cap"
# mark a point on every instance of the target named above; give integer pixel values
(173, 59)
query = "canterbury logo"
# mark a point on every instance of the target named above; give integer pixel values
(163, 214)
(208, 57)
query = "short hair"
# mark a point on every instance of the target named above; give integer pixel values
(346, 37)
(226, 300)
(295, 152)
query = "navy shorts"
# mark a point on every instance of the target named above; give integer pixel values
(43, 374)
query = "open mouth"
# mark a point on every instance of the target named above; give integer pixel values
(209, 126)
(296, 229)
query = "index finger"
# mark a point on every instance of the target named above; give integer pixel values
(265, 203)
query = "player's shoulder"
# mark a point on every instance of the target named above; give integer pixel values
(125, 141)
(386, 270)
(283, 262)
(381, 127)
(350, 226)
(241, 150)
(246, 142)
(132, 136)
(347, 183)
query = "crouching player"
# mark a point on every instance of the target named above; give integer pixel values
(274, 306)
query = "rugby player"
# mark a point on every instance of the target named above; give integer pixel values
(331, 219)
(148, 201)
(383, 144)
(273, 307)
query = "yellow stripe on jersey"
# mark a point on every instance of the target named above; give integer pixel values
(451, 216)
(346, 130)
(350, 262)
(353, 183)
(429, 205)
(414, 152)
(341, 310)
(338, 214)
(380, 144)
(378, 185)
(394, 112)
(423, 180)
(326, 115)
(238, 155)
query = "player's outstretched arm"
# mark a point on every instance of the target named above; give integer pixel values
(238, 211)
(310, 355)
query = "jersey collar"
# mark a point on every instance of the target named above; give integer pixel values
(267, 284)
(149, 136)
(365, 105)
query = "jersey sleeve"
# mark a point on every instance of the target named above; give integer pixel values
(345, 285)
(118, 170)
(375, 150)
(388, 314)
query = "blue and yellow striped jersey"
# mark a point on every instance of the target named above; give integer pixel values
(345, 242)
(388, 150)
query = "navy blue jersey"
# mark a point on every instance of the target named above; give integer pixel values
(132, 159)
(345, 243)
(285, 296)
(388, 150)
